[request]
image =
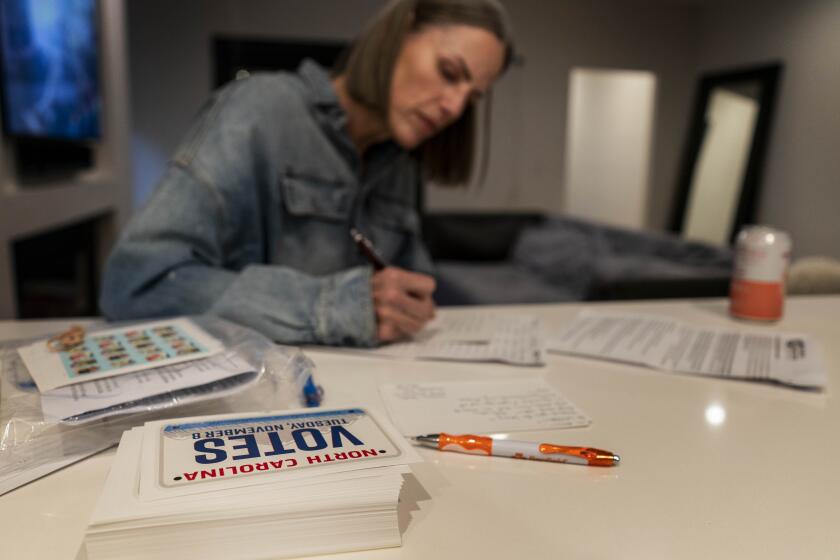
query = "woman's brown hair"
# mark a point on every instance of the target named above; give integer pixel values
(446, 158)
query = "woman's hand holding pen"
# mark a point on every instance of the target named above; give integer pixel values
(402, 301)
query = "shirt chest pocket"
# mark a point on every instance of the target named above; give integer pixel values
(314, 233)
(316, 198)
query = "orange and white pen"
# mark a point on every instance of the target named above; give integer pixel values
(483, 445)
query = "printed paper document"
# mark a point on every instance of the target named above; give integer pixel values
(81, 401)
(664, 343)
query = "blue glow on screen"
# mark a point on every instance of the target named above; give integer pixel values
(50, 68)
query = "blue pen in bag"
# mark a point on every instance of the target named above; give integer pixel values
(312, 393)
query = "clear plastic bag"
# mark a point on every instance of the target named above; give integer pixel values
(31, 440)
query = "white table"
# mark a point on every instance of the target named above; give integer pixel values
(760, 483)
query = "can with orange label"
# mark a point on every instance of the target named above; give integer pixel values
(762, 255)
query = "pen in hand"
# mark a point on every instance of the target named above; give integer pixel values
(402, 300)
(367, 249)
(482, 445)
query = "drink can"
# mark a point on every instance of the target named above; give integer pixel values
(762, 255)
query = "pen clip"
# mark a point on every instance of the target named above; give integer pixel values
(592, 456)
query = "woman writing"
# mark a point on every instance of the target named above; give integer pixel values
(251, 220)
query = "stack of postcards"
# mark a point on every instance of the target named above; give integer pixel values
(281, 484)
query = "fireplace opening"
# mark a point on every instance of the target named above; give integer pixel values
(57, 271)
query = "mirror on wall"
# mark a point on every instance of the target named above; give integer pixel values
(727, 138)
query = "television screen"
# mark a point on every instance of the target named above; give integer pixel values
(50, 68)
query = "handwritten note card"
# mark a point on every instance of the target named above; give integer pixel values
(479, 407)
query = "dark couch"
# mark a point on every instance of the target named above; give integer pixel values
(532, 258)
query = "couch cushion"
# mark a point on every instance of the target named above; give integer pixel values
(471, 283)
(460, 236)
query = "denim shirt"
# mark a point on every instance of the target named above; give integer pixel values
(251, 219)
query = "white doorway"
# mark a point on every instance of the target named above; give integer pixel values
(608, 145)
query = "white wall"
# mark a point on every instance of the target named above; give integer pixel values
(801, 189)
